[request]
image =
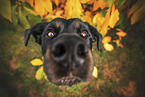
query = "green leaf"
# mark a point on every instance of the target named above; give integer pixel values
(5, 9)
(34, 19)
(14, 14)
(36, 62)
(30, 11)
(40, 73)
(22, 19)
(118, 3)
(138, 15)
(26, 4)
(109, 2)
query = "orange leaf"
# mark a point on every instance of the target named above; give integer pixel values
(99, 4)
(106, 39)
(121, 33)
(87, 17)
(118, 43)
(114, 17)
(108, 47)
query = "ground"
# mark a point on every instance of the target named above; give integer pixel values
(121, 73)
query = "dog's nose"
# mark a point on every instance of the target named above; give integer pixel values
(70, 52)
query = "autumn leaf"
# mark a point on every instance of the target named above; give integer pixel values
(73, 9)
(87, 17)
(84, 1)
(106, 39)
(118, 43)
(99, 4)
(108, 47)
(40, 73)
(95, 72)
(121, 33)
(105, 24)
(114, 17)
(43, 5)
(36, 62)
(98, 19)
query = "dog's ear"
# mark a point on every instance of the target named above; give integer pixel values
(95, 33)
(36, 31)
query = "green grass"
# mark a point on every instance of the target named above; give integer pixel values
(121, 72)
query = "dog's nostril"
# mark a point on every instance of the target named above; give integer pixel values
(59, 50)
(81, 50)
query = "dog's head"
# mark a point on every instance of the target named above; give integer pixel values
(66, 46)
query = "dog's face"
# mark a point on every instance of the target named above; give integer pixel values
(66, 46)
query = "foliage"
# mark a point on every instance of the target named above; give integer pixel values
(105, 15)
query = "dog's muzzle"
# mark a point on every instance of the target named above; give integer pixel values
(68, 60)
(69, 51)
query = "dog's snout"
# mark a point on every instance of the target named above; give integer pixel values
(59, 52)
(70, 52)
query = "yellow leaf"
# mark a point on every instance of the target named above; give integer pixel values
(98, 19)
(114, 17)
(105, 24)
(40, 73)
(43, 5)
(121, 33)
(106, 39)
(73, 9)
(36, 62)
(108, 47)
(99, 4)
(84, 1)
(95, 72)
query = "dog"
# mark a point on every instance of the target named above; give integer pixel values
(66, 47)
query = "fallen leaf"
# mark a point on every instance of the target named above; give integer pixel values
(95, 72)
(40, 73)
(108, 47)
(114, 17)
(118, 43)
(36, 62)
(106, 39)
(121, 33)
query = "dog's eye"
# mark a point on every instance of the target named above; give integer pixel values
(50, 34)
(84, 34)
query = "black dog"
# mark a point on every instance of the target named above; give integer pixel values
(66, 46)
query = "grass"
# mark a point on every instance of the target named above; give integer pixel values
(121, 72)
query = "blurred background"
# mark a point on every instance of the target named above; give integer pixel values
(119, 66)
